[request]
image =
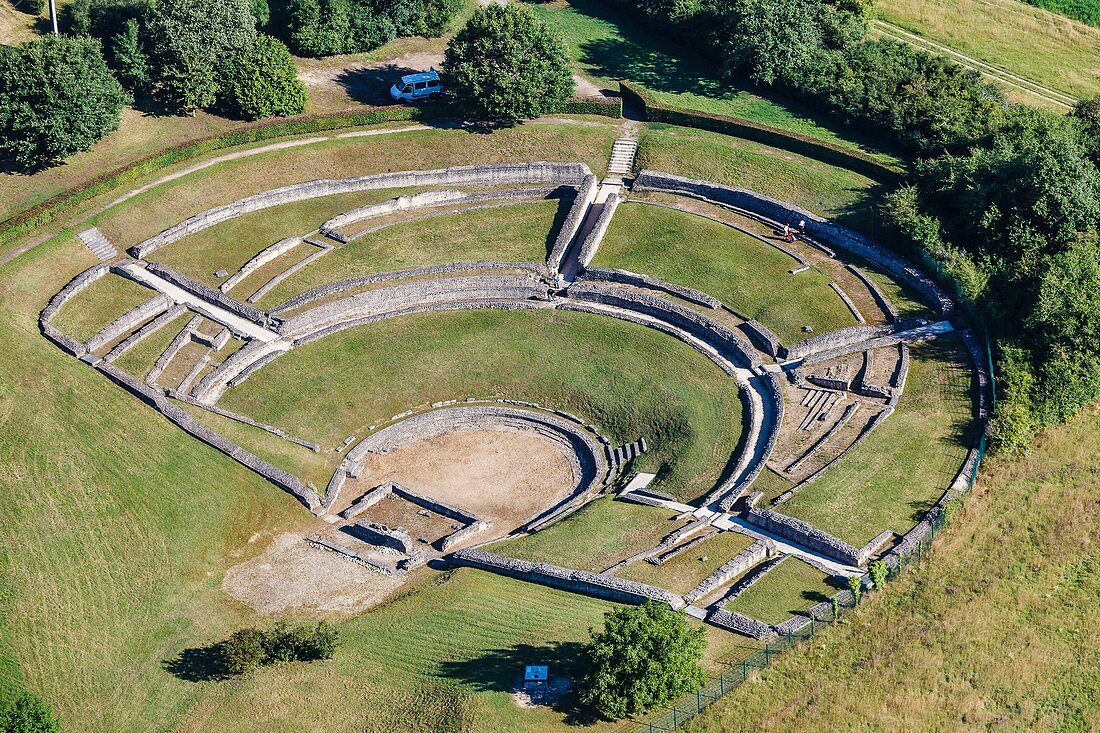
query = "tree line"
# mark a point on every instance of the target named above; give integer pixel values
(1004, 200)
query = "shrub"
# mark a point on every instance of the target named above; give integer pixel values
(879, 571)
(244, 651)
(855, 585)
(436, 16)
(836, 608)
(261, 11)
(505, 65)
(249, 649)
(263, 82)
(644, 657)
(28, 714)
(57, 97)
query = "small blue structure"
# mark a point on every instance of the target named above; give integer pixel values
(535, 677)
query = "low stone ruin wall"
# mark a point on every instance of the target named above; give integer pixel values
(740, 624)
(599, 229)
(147, 330)
(754, 554)
(342, 286)
(209, 294)
(830, 232)
(881, 300)
(849, 411)
(156, 399)
(763, 338)
(181, 339)
(412, 293)
(129, 320)
(63, 296)
(875, 422)
(376, 534)
(738, 589)
(848, 302)
(625, 277)
(806, 535)
(607, 587)
(586, 194)
(264, 256)
(484, 175)
(844, 337)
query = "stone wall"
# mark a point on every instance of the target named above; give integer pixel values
(585, 196)
(738, 589)
(261, 258)
(851, 336)
(849, 411)
(63, 296)
(129, 321)
(806, 535)
(817, 228)
(485, 175)
(148, 329)
(881, 300)
(874, 423)
(848, 302)
(182, 339)
(752, 555)
(209, 294)
(607, 587)
(740, 624)
(763, 338)
(625, 277)
(156, 399)
(599, 229)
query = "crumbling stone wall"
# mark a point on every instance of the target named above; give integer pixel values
(148, 329)
(129, 320)
(63, 296)
(880, 298)
(625, 277)
(607, 587)
(763, 338)
(739, 624)
(261, 258)
(209, 294)
(754, 554)
(599, 229)
(586, 194)
(806, 535)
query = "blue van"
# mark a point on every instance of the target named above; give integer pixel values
(417, 86)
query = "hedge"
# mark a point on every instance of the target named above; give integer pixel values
(45, 212)
(605, 106)
(825, 152)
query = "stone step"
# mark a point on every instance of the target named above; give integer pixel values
(94, 240)
(622, 157)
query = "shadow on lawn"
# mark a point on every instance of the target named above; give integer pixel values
(501, 670)
(198, 664)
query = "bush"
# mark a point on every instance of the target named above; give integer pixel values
(244, 651)
(249, 649)
(57, 97)
(644, 657)
(505, 65)
(879, 571)
(261, 11)
(855, 586)
(263, 82)
(28, 714)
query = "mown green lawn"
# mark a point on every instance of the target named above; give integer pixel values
(890, 479)
(613, 373)
(741, 271)
(98, 304)
(685, 571)
(788, 588)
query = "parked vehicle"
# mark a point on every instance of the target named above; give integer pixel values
(417, 86)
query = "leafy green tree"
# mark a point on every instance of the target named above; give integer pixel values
(879, 571)
(1086, 114)
(244, 651)
(28, 714)
(130, 60)
(505, 65)
(855, 585)
(261, 11)
(436, 15)
(57, 97)
(263, 82)
(769, 40)
(645, 656)
(319, 27)
(188, 84)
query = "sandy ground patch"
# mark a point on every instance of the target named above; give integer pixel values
(504, 477)
(341, 81)
(290, 576)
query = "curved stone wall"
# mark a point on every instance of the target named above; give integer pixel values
(586, 194)
(63, 296)
(625, 277)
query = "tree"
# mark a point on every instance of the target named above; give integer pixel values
(244, 651)
(28, 714)
(261, 11)
(131, 61)
(879, 571)
(644, 657)
(188, 84)
(505, 65)
(855, 585)
(1086, 114)
(769, 40)
(57, 97)
(263, 82)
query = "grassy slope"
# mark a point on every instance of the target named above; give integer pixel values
(785, 590)
(519, 233)
(1034, 43)
(100, 303)
(169, 203)
(816, 186)
(995, 632)
(685, 571)
(896, 473)
(743, 272)
(608, 45)
(692, 424)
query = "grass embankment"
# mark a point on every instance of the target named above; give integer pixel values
(812, 185)
(1033, 43)
(685, 571)
(743, 272)
(903, 467)
(995, 631)
(607, 45)
(169, 203)
(789, 587)
(519, 233)
(611, 372)
(100, 303)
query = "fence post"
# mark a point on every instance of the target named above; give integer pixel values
(721, 684)
(744, 671)
(767, 655)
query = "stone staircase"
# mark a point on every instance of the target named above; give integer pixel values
(95, 241)
(625, 453)
(622, 158)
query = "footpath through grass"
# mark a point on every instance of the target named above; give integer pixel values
(613, 373)
(996, 630)
(741, 271)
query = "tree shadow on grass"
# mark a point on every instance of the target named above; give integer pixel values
(501, 670)
(372, 85)
(198, 664)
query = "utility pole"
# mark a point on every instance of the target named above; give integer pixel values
(53, 16)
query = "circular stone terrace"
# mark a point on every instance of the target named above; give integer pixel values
(444, 481)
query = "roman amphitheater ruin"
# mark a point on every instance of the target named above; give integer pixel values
(805, 405)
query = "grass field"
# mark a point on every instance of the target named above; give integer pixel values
(518, 233)
(607, 46)
(789, 587)
(901, 468)
(685, 571)
(599, 368)
(100, 303)
(612, 531)
(810, 184)
(1036, 44)
(995, 631)
(743, 272)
